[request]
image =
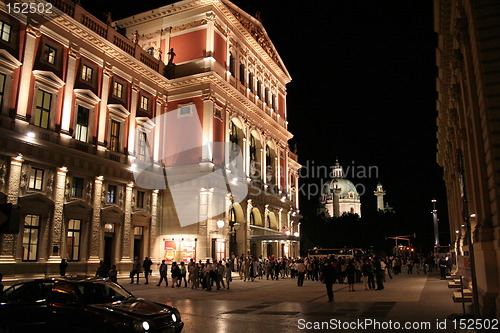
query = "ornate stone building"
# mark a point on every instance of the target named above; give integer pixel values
(86, 141)
(468, 85)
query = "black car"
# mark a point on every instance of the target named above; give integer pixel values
(84, 305)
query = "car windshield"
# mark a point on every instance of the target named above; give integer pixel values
(102, 292)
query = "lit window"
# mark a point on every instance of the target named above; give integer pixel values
(5, 30)
(111, 194)
(142, 146)
(87, 73)
(139, 203)
(2, 88)
(49, 54)
(42, 110)
(82, 124)
(118, 89)
(73, 240)
(36, 179)
(114, 140)
(144, 103)
(77, 187)
(30, 237)
(138, 231)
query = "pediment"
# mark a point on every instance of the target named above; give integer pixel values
(112, 214)
(35, 198)
(118, 110)
(87, 96)
(48, 78)
(77, 204)
(145, 122)
(8, 60)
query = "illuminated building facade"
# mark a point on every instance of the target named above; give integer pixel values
(468, 105)
(82, 106)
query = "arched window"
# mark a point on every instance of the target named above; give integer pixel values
(252, 219)
(233, 133)
(253, 149)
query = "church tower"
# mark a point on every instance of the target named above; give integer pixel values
(379, 193)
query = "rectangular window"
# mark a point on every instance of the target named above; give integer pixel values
(42, 109)
(144, 103)
(77, 187)
(49, 54)
(111, 194)
(30, 237)
(5, 31)
(2, 88)
(73, 240)
(36, 179)
(82, 124)
(117, 89)
(142, 146)
(114, 139)
(139, 203)
(87, 73)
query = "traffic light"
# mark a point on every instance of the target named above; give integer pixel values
(10, 216)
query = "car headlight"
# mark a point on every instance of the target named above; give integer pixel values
(145, 325)
(141, 326)
(174, 318)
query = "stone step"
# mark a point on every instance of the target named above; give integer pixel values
(454, 284)
(457, 297)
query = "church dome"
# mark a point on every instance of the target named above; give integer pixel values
(347, 188)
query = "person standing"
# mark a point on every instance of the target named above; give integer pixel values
(227, 273)
(163, 274)
(136, 270)
(183, 271)
(102, 270)
(329, 275)
(62, 267)
(301, 270)
(146, 264)
(113, 274)
(351, 274)
(379, 273)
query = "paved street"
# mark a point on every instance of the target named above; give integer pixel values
(278, 306)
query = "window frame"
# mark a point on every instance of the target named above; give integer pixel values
(40, 110)
(84, 74)
(114, 138)
(73, 231)
(142, 196)
(77, 189)
(79, 127)
(3, 80)
(26, 254)
(3, 24)
(34, 176)
(46, 55)
(117, 84)
(111, 192)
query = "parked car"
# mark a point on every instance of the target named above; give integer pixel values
(83, 305)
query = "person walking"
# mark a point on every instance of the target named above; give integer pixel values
(228, 274)
(163, 274)
(193, 275)
(378, 273)
(146, 264)
(176, 274)
(301, 270)
(136, 270)
(351, 274)
(62, 267)
(183, 271)
(367, 270)
(329, 275)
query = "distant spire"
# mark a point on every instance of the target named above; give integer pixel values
(337, 170)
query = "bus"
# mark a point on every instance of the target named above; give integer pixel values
(335, 252)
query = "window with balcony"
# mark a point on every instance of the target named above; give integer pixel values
(30, 237)
(114, 138)
(36, 179)
(42, 109)
(82, 124)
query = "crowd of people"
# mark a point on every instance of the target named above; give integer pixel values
(369, 271)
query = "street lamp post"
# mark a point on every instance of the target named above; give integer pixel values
(435, 219)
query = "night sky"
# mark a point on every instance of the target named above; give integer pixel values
(363, 90)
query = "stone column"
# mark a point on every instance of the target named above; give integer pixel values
(207, 129)
(131, 119)
(95, 225)
(204, 241)
(127, 248)
(103, 109)
(8, 241)
(154, 223)
(68, 88)
(32, 33)
(57, 217)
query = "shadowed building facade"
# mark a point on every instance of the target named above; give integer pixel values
(468, 85)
